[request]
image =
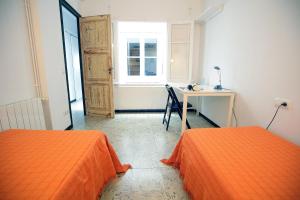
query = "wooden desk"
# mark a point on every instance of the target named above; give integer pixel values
(205, 91)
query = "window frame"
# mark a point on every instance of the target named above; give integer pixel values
(161, 56)
(133, 57)
(150, 57)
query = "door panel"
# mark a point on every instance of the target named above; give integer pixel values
(180, 33)
(97, 100)
(97, 67)
(180, 62)
(180, 52)
(95, 36)
(96, 51)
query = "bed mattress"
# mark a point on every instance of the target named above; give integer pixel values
(237, 163)
(55, 164)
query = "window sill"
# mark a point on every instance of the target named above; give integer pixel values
(117, 84)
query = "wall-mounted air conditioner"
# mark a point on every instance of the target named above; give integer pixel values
(210, 13)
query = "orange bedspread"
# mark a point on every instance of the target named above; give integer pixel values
(237, 163)
(55, 164)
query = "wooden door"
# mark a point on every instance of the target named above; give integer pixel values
(95, 33)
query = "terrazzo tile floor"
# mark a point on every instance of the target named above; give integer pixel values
(142, 141)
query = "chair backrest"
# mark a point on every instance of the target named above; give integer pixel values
(173, 96)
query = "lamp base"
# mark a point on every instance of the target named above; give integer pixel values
(218, 87)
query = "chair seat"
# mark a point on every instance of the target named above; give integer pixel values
(174, 106)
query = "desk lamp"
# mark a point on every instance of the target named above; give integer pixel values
(218, 87)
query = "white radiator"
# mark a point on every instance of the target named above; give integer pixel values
(27, 114)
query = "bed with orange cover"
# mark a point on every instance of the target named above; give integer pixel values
(55, 164)
(237, 163)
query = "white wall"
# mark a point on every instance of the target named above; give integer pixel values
(137, 97)
(257, 45)
(16, 72)
(75, 4)
(51, 59)
(143, 10)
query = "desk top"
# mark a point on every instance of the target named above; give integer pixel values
(204, 90)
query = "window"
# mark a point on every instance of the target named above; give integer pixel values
(142, 52)
(150, 57)
(133, 57)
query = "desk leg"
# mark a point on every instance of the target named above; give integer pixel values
(230, 111)
(198, 105)
(184, 111)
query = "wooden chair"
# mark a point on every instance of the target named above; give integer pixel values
(173, 105)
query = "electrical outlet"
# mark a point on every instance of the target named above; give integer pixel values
(278, 101)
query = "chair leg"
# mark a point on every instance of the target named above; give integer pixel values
(169, 119)
(180, 115)
(188, 124)
(164, 119)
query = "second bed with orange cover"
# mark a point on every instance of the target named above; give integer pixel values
(55, 164)
(237, 163)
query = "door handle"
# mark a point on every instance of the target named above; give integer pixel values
(89, 62)
(110, 70)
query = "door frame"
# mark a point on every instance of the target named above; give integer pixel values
(63, 3)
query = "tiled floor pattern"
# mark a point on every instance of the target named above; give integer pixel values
(141, 140)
